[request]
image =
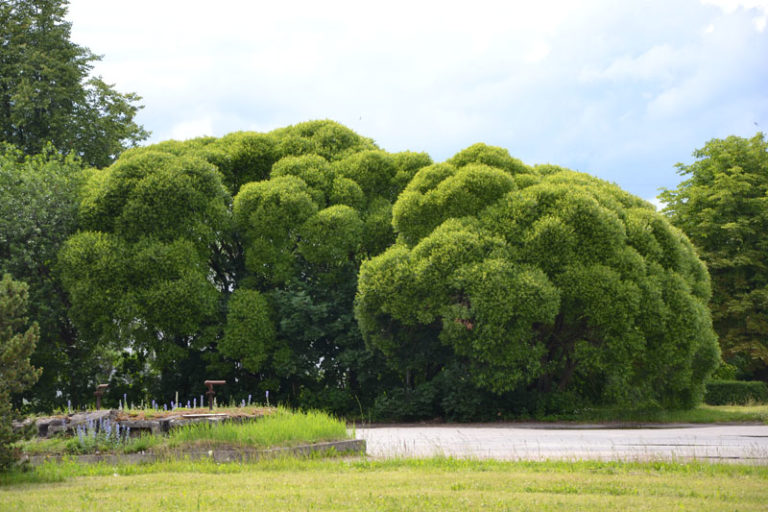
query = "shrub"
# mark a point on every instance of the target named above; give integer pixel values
(402, 404)
(723, 392)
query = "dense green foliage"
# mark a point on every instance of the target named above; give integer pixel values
(542, 280)
(38, 212)
(723, 207)
(486, 287)
(249, 334)
(46, 93)
(54, 118)
(738, 392)
(17, 342)
(137, 273)
(236, 258)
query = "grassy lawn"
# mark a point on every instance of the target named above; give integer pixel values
(362, 484)
(431, 484)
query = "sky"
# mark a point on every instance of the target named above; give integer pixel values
(621, 90)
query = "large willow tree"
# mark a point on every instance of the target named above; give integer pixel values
(538, 279)
(240, 258)
(237, 257)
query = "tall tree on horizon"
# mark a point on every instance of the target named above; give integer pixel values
(723, 207)
(47, 93)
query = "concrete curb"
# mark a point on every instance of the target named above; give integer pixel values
(215, 454)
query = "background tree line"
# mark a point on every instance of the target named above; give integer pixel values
(308, 262)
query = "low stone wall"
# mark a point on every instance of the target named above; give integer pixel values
(227, 454)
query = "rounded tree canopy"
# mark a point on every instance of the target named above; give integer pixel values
(321, 208)
(151, 194)
(542, 278)
(172, 230)
(138, 271)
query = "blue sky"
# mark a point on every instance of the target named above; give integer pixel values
(622, 90)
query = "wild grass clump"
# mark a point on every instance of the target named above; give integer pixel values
(281, 428)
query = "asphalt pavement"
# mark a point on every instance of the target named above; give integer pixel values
(717, 443)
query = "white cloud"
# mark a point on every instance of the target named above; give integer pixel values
(730, 6)
(620, 89)
(537, 52)
(191, 129)
(657, 203)
(658, 63)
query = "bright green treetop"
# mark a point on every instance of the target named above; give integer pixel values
(237, 254)
(541, 279)
(138, 271)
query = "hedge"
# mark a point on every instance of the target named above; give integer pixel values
(724, 392)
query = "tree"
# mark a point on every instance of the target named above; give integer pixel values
(17, 342)
(305, 231)
(238, 257)
(723, 207)
(38, 212)
(138, 271)
(46, 93)
(538, 280)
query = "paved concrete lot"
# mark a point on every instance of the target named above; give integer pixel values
(742, 443)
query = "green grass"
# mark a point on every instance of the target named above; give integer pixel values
(280, 428)
(700, 414)
(426, 484)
